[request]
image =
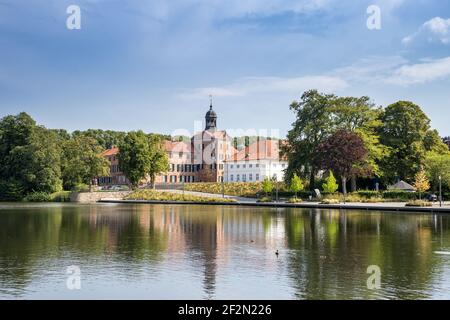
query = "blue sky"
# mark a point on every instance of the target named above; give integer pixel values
(151, 64)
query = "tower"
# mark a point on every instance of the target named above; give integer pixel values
(211, 119)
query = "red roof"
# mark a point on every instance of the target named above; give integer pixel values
(171, 146)
(110, 152)
(261, 150)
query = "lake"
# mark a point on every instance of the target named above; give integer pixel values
(219, 252)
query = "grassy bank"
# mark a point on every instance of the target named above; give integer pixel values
(151, 195)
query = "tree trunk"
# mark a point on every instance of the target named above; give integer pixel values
(312, 179)
(353, 183)
(344, 185)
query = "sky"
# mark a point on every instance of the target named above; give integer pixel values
(152, 64)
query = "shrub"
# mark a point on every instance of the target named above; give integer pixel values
(152, 195)
(38, 197)
(294, 200)
(62, 196)
(419, 203)
(330, 185)
(11, 191)
(330, 201)
(368, 194)
(265, 199)
(81, 188)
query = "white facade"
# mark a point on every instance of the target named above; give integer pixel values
(254, 171)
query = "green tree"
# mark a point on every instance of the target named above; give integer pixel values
(405, 127)
(82, 161)
(330, 185)
(296, 184)
(135, 157)
(421, 183)
(361, 116)
(267, 186)
(30, 156)
(313, 124)
(438, 165)
(159, 161)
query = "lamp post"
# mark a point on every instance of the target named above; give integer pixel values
(276, 184)
(440, 191)
(223, 188)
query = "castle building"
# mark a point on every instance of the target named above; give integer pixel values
(209, 156)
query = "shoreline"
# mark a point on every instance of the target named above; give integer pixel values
(363, 207)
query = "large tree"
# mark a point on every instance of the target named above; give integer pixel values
(29, 156)
(341, 153)
(82, 161)
(361, 116)
(135, 157)
(438, 165)
(159, 161)
(406, 132)
(312, 125)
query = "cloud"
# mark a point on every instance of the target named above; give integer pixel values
(427, 71)
(434, 30)
(268, 85)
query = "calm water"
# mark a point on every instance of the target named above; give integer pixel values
(203, 252)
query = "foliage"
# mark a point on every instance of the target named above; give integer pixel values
(267, 186)
(240, 189)
(421, 182)
(135, 157)
(419, 203)
(37, 197)
(29, 155)
(340, 153)
(265, 199)
(330, 185)
(81, 187)
(152, 195)
(82, 161)
(438, 165)
(405, 127)
(159, 161)
(296, 184)
(330, 201)
(311, 127)
(106, 139)
(295, 200)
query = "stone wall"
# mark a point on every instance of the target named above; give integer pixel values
(92, 197)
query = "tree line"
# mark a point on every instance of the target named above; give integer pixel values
(34, 159)
(361, 143)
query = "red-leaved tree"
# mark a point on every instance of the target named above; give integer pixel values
(341, 153)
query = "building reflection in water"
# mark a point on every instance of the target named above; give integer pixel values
(325, 254)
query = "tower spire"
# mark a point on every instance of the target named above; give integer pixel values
(210, 102)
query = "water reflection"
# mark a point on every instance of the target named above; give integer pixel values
(155, 251)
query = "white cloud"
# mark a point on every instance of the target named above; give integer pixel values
(434, 30)
(268, 85)
(420, 73)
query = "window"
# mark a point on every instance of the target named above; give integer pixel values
(257, 165)
(180, 155)
(250, 166)
(244, 166)
(257, 177)
(283, 165)
(238, 166)
(250, 177)
(237, 178)
(231, 178)
(231, 166)
(244, 178)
